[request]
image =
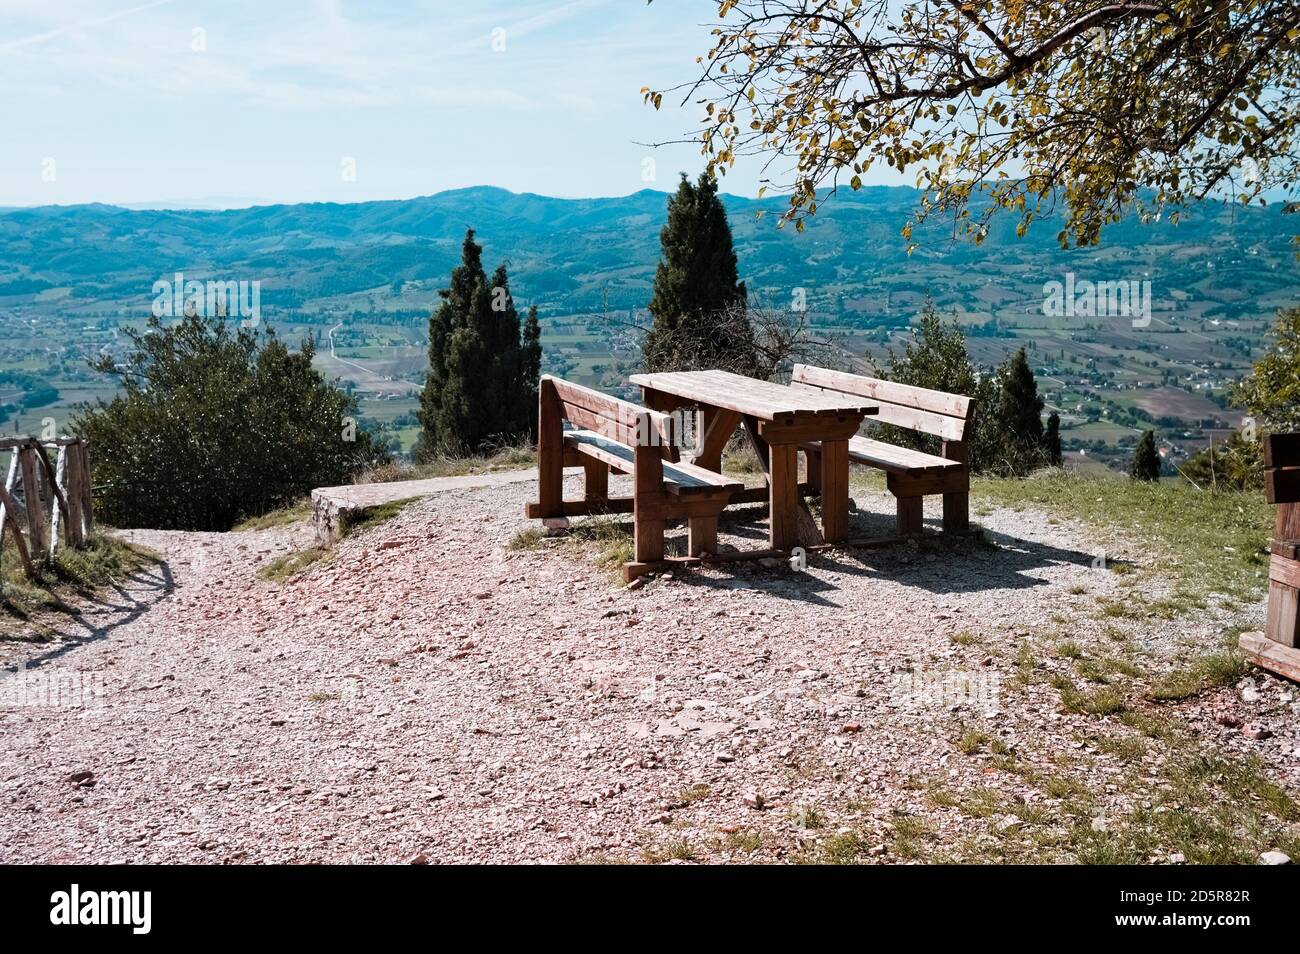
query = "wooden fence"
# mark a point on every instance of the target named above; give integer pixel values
(56, 500)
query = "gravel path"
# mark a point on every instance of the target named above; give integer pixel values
(431, 694)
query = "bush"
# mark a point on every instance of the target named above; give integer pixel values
(1006, 435)
(217, 425)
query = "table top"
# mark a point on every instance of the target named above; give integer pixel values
(761, 399)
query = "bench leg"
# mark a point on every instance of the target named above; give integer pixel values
(596, 481)
(649, 536)
(956, 513)
(550, 452)
(702, 535)
(910, 512)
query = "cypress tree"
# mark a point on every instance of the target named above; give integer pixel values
(1052, 440)
(475, 389)
(1019, 417)
(530, 369)
(1146, 460)
(696, 282)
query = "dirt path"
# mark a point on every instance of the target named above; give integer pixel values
(433, 695)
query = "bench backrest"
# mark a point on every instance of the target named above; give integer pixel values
(947, 416)
(1282, 468)
(618, 420)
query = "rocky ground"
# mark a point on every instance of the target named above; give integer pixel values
(435, 694)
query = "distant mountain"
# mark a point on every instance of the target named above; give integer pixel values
(573, 255)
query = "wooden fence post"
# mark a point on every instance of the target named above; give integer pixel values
(1278, 647)
(87, 497)
(32, 498)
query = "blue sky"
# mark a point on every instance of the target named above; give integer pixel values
(191, 102)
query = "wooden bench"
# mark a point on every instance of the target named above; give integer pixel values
(911, 475)
(605, 434)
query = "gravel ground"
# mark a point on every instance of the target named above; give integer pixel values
(433, 695)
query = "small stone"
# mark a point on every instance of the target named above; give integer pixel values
(1274, 858)
(82, 779)
(1177, 858)
(725, 757)
(418, 859)
(1255, 733)
(852, 727)
(754, 800)
(636, 583)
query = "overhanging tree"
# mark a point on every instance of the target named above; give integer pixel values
(1029, 101)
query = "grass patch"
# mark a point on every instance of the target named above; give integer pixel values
(679, 850)
(1102, 701)
(506, 457)
(291, 564)
(1221, 668)
(530, 538)
(746, 840)
(293, 513)
(372, 517)
(105, 560)
(1211, 542)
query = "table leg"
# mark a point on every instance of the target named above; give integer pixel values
(783, 493)
(835, 491)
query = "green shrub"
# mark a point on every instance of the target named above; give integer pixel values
(217, 424)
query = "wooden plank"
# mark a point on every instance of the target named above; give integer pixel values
(1284, 571)
(1283, 622)
(87, 489)
(9, 485)
(903, 395)
(1282, 486)
(31, 484)
(550, 449)
(783, 472)
(1262, 651)
(60, 478)
(1281, 450)
(58, 502)
(798, 430)
(647, 494)
(1287, 525)
(765, 400)
(835, 490)
(682, 477)
(906, 485)
(8, 502)
(1285, 548)
(613, 417)
(76, 521)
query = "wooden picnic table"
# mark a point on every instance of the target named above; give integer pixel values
(777, 418)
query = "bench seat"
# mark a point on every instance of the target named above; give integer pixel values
(680, 478)
(895, 459)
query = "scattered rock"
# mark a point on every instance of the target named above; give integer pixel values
(1255, 732)
(754, 800)
(1274, 858)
